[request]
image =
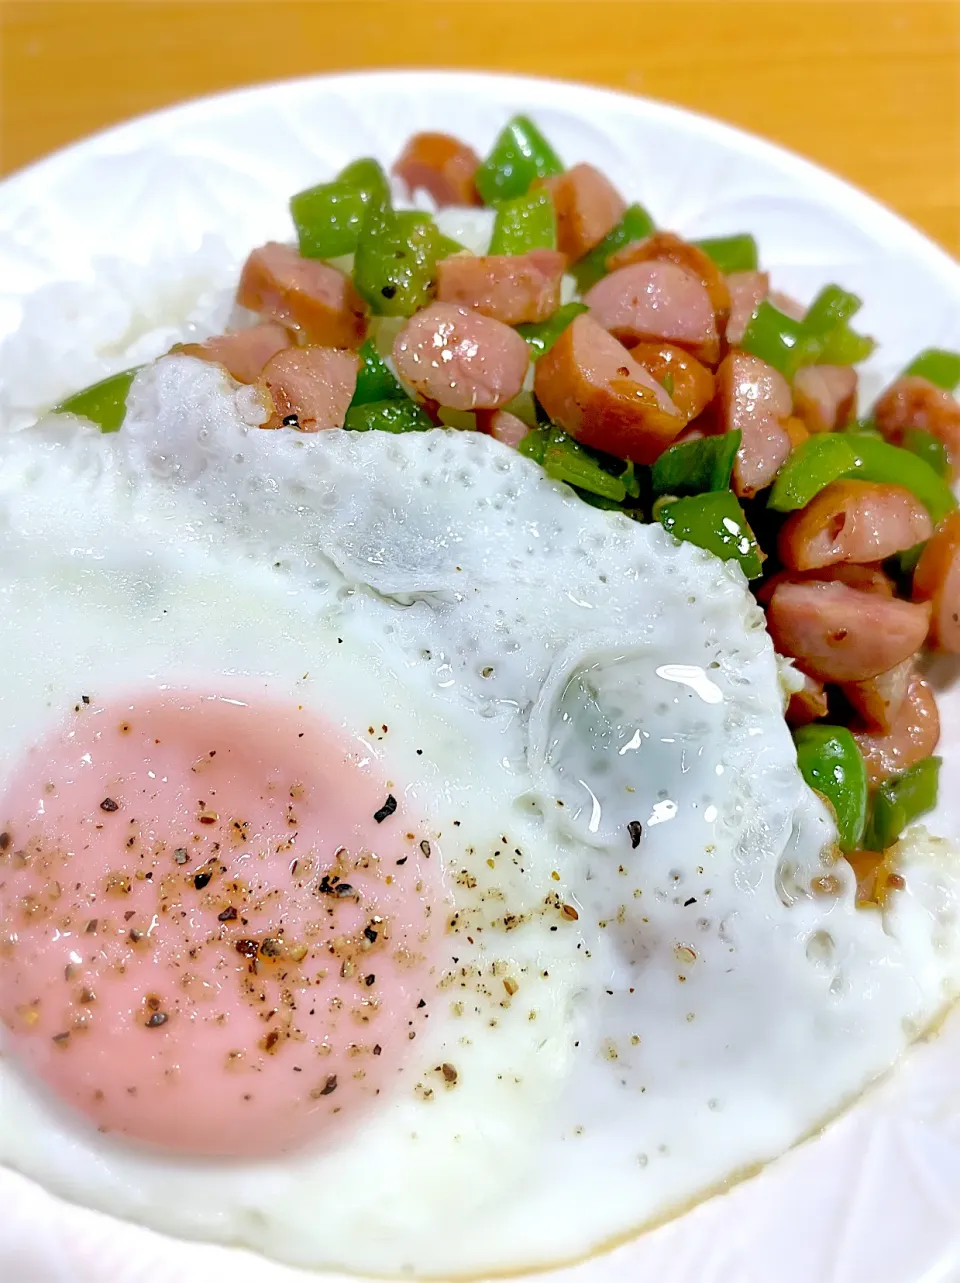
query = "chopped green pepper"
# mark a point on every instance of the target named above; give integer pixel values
(519, 155)
(821, 459)
(938, 366)
(328, 219)
(714, 521)
(525, 223)
(103, 403)
(374, 380)
(541, 335)
(396, 256)
(635, 225)
(564, 459)
(449, 247)
(779, 340)
(833, 306)
(845, 347)
(732, 253)
(929, 448)
(366, 174)
(877, 460)
(832, 765)
(897, 803)
(696, 466)
(387, 416)
(534, 444)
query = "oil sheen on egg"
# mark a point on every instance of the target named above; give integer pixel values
(623, 963)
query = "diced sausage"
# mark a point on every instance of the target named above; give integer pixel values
(244, 354)
(912, 402)
(839, 634)
(461, 359)
(853, 521)
(303, 294)
(788, 305)
(657, 302)
(796, 430)
(665, 247)
(591, 386)
(864, 578)
(825, 396)
(513, 288)
(441, 165)
(808, 704)
(747, 292)
(913, 735)
(754, 398)
(689, 384)
(502, 426)
(312, 385)
(937, 580)
(879, 699)
(588, 207)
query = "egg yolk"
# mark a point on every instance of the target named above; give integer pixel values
(217, 922)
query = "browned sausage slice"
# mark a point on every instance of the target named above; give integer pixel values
(502, 426)
(808, 704)
(913, 402)
(244, 354)
(839, 634)
(310, 388)
(461, 359)
(689, 384)
(665, 247)
(747, 292)
(513, 288)
(913, 735)
(303, 294)
(754, 398)
(591, 386)
(825, 396)
(865, 578)
(588, 207)
(853, 521)
(879, 699)
(937, 580)
(657, 302)
(441, 165)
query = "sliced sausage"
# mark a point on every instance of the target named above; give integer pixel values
(657, 302)
(913, 402)
(591, 386)
(665, 247)
(689, 384)
(747, 292)
(310, 388)
(839, 634)
(441, 165)
(461, 359)
(588, 206)
(513, 288)
(788, 305)
(853, 521)
(913, 735)
(808, 704)
(244, 354)
(796, 430)
(754, 398)
(864, 578)
(825, 396)
(937, 580)
(303, 294)
(879, 699)
(502, 426)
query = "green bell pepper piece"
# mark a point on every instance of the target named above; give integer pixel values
(534, 444)
(779, 340)
(367, 176)
(395, 261)
(695, 467)
(845, 347)
(541, 335)
(635, 225)
(732, 253)
(833, 306)
(877, 460)
(387, 416)
(821, 459)
(929, 448)
(374, 380)
(103, 403)
(519, 155)
(938, 366)
(525, 223)
(714, 521)
(328, 219)
(832, 765)
(898, 802)
(449, 247)
(564, 459)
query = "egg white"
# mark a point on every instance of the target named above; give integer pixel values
(678, 1010)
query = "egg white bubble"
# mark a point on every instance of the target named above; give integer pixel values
(681, 1004)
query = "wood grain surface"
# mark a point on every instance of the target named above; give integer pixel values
(869, 88)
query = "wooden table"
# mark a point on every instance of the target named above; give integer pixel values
(869, 88)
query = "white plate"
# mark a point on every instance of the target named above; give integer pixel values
(874, 1199)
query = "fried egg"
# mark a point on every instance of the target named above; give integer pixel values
(457, 903)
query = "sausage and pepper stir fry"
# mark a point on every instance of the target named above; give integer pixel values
(678, 387)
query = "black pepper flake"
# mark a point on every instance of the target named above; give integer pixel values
(330, 1086)
(84, 699)
(371, 934)
(377, 1049)
(635, 829)
(403, 860)
(247, 948)
(157, 1019)
(291, 421)
(388, 291)
(109, 805)
(91, 927)
(687, 903)
(4, 841)
(201, 879)
(61, 1039)
(422, 1002)
(425, 847)
(388, 808)
(228, 915)
(369, 980)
